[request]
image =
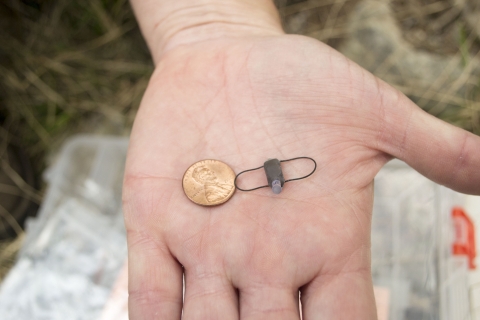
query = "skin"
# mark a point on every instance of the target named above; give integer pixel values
(242, 99)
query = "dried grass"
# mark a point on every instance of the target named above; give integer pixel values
(8, 253)
(65, 67)
(440, 27)
(74, 61)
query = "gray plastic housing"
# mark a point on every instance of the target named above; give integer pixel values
(273, 170)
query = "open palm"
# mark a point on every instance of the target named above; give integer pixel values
(243, 102)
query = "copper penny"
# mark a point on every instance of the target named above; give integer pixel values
(209, 182)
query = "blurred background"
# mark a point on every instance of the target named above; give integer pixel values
(66, 67)
(70, 67)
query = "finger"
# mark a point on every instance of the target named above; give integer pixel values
(341, 296)
(443, 153)
(155, 280)
(265, 302)
(209, 295)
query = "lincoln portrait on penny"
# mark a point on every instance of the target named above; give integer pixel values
(214, 190)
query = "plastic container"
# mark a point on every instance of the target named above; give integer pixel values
(76, 246)
(412, 237)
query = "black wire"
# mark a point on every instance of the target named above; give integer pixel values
(308, 175)
(235, 181)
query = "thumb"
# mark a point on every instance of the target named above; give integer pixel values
(441, 152)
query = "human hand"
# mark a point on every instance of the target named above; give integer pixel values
(245, 99)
